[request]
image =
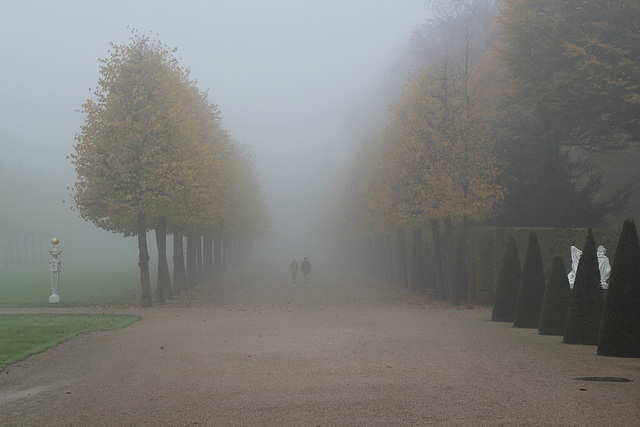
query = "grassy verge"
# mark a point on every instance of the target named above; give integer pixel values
(22, 335)
(108, 286)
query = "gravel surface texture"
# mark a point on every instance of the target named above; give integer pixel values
(345, 350)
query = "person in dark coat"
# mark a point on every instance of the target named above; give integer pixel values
(305, 267)
(293, 266)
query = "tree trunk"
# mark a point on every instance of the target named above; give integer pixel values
(163, 288)
(179, 274)
(427, 273)
(381, 257)
(464, 249)
(401, 268)
(223, 259)
(449, 262)
(192, 271)
(207, 255)
(226, 249)
(413, 278)
(143, 262)
(217, 254)
(417, 267)
(229, 243)
(199, 259)
(438, 273)
(388, 257)
(373, 256)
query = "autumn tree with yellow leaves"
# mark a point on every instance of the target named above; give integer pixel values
(152, 154)
(439, 162)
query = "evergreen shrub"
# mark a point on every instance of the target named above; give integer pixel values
(555, 303)
(507, 285)
(532, 286)
(585, 306)
(619, 334)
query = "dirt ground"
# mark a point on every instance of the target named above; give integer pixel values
(344, 350)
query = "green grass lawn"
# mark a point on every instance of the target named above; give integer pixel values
(22, 335)
(87, 286)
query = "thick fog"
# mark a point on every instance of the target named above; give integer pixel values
(286, 76)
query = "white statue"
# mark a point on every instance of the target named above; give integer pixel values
(575, 259)
(55, 267)
(603, 265)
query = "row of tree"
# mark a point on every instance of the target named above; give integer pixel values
(152, 154)
(499, 120)
(586, 314)
(434, 159)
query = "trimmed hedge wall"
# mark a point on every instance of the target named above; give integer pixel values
(487, 246)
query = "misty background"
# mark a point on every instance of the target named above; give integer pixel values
(292, 79)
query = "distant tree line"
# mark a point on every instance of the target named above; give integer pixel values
(152, 155)
(22, 249)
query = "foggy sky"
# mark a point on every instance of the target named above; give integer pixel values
(283, 73)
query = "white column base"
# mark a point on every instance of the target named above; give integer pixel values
(54, 298)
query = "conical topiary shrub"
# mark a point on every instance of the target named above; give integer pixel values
(531, 291)
(585, 307)
(556, 301)
(504, 305)
(620, 325)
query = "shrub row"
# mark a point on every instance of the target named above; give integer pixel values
(585, 315)
(487, 247)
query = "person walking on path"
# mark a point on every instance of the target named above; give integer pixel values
(294, 270)
(305, 267)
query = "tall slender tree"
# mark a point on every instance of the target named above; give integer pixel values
(123, 152)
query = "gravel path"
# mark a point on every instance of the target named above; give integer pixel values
(342, 351)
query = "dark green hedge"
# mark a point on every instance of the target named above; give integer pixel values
(507, 285)
(532, 287)
(619, 333)
(556, 301)
(585, 307)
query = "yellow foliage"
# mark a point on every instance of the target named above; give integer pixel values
(434, 158)
(152, 143)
